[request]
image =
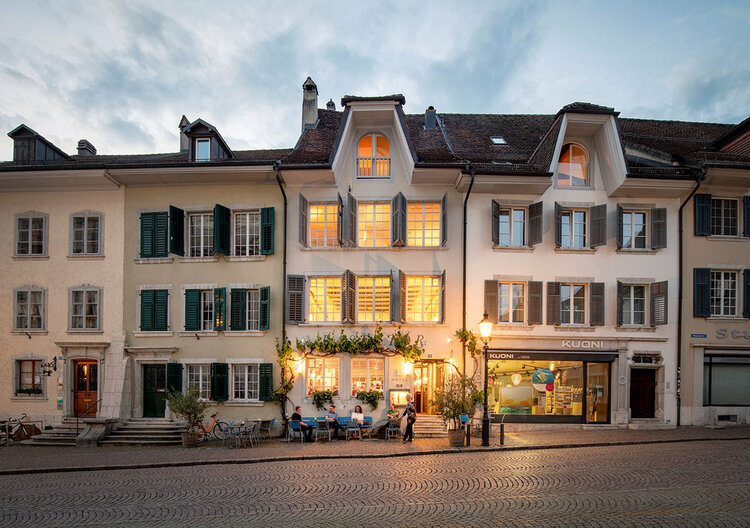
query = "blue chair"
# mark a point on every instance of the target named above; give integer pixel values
(466, 422)
(393, 429)
(353, 429)
(295, 430)
(343, 424)
(366, 427)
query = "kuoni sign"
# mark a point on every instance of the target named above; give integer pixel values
(543, 380)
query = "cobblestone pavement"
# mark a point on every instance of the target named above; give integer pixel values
(672, 484)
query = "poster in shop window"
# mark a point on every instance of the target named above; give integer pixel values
(543, 380)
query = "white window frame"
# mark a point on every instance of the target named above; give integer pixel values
(511, 287)
(333, 217)
(30, 216)
(423, 237)
(199, 141)
(570, 212)
(646, 220)
(375, 161)
(87, 216)
(423, 303)
(724, 276)
(734, 227)
(371, 221)
(334, 280)
(511, 210)
(204, 377)
(43, 308)
(571, 310)
(368, 375)
(371, 302)
(86, 289)
(205, 250)
(308, 386)
(250, 249)
(252, 309)
(246, 367)
(207, 306)
(631, 308)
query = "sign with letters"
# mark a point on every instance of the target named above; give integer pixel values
(724, 333)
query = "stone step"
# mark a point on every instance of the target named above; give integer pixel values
(47, 443)
(148, 428)
(137, 437)
(139, 442)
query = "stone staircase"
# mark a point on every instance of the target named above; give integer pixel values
(429, 426)
(145, 432)
(61, 435)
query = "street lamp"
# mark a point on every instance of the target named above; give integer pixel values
(485, 333)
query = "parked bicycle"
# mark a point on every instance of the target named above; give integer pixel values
(216, 429)
(15, 429)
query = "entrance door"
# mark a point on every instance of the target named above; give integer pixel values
(597, 392)
(85, 387)
(428, 376)
(154, 390)
(642, 393)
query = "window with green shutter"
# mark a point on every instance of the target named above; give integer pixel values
(219, 381)
(237, 309)
(154, 310)
(266, 230)
(264, 310)
(219, 308)
(154, 234)
(192, 310)
(222, 229)
(176, 231)
(174, 377)
(266, 382)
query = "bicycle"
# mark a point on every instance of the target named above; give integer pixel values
(15, 429)
(217, 429)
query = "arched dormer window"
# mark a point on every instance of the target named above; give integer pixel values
(373, 157)
(572, 168)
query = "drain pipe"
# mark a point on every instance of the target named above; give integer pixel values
(276, 169)
(463, 285)
(698, 181)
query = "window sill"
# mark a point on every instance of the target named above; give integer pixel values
(30, 257)
(167, 333)
(30, 397)
(726, 238)
(385, 248)
(245, 333)
(85, 257)
(511, 249)
(575, 250)
(635, 329)
(248, 258)
(154, 260)
(370, 324)
(192, 260)
(575, 328)
(637, 251)
(199, 333)
(21, 332)
(726, 318)
(243, 403)
(83, 331)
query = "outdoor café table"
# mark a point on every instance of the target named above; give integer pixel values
(236, 430)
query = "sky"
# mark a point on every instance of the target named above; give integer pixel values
(121, 74)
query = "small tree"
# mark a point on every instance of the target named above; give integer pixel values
(454, 398)
(189, 406)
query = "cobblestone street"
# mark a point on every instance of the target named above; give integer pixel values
(704, 483)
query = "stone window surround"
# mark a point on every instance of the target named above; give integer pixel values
(86, 213)
(85, 287)
(157, 333)
(30, 287)
(45, 239)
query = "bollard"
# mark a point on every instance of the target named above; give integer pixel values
(468, 435)
(502, 434)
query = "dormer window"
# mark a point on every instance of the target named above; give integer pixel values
(572, 168)
(203, 149)
(373, 157)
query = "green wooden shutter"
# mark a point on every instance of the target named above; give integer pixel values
(266, 230)
(192, 310)
(174, 377)
(266, 381)
(161, 227)
(495, 223)
(220, 311)
(746, 216)
(161, 310)
(147, 235)
(702, 214)
(701, 292)
(222, 231)
(239, 313)
(219, 381)
(176, 231)
(491, 302)
(264, 312)
(147, 310)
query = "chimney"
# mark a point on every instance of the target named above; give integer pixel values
(330, 105)
(85, 148)
(309, 104)
(430, 118)
(184, 142)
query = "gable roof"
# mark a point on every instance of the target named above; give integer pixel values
(212, 129)
(23, 130)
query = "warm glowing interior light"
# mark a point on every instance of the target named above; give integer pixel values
(552, 366)
(407, 367)
(516, 378)
(485, 327)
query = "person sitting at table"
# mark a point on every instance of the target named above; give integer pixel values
(357, 415)
(332, 418)
(392, 412)
(306, 429)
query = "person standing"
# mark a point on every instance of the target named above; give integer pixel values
(411, 416)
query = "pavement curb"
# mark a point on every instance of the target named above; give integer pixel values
(297, 458)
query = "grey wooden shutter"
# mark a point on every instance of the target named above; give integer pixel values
(219, 381)
(491, 302)
(558, 227)
(398, 220)
(349, 294)
(266, 230)
(147, 310)
(536, 224)
(222, 230)
(659, 298)
(192, 310)
(658, 228)
(264, 309)
(444, 220)
(161, 234)
(495, 223)
(535, 302)
(619, 226)
(598, 225)
(176, 231)
(746, 216)
(620, 288)
(702, 214)
(265, 382)
(340, 235)
(702, 292)
(553, 303)
(147, 234)
(304, 207)
(746, 294)
(174, 377)
(220, 309)
(402, 295)
(295, 292)
(238, 309)
(596, 306)
(396, 297)
(352, 207)
(442, 297)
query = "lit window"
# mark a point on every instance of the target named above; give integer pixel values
(325, 299)
(633, 230)
(247, 234)
(374, 224)
(373, 157)
(423, 299)
(512, 302)
(323, 374)
(84, 309)
(573, 304)
(723, 217)
(200, 376)
(367, 375)
(633, 305)
(724, 293)
(373, 299)
(323, 225)
(572, 167)
(202, 150)
(29, 310)
(86, 235)
(423, 224)
(246, 382)
(30, 236)
(573, 229)
(512, 228)
(201, 234)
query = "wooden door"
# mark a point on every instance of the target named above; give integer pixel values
(642, 393)
(428, 377)
(154, 390)
(85, 387)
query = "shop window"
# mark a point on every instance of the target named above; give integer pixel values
(423, 303)
(572, 167)
(373, 157)
(30, 310)
(423, 224)
(246, 382)
(325, 299)
(512, 302)
(200, 376)
(374, 224)
(246, 233)
(29, 377)
(723, 293)
(367, 375)
(725, 380)
(373, 299)
(201, 234)
(572, 304)
(31, 236)
(86, 234)
(85, 308)
(322, 374)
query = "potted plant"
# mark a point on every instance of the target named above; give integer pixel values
(456, 397)
(191, 408)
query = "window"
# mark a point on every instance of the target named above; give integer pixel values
(633, 304)
(498, 140)
(367, 375)
(325, 299)
(512, 302)
(246, 380)
(154, 310)
(573, 304)
(247, 233)
(373, 157)
(154, 235)
(85, 308)
(323, 225)
(201, 235)
(30, 235)
(423, 299)
(202, 150)
(250, 308)
(373, 299)
(323, 374)
(423, 224)
(374, 224)
(30, 313)
(572, 166)
(725, 380)
(573, 228)
(86, 235)
(512, 227)
(634, 230)
(723, 293)
(724, 217)
(207, 310)
(29, 376)
(200, 376)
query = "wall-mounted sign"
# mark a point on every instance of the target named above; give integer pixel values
(582, 343)
(508, 355)
(724, 333)
(699, 336)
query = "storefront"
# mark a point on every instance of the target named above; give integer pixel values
(550, 387)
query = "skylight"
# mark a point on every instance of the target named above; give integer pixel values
(498, 140)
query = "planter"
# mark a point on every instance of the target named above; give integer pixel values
(456, 438)
(189, 439)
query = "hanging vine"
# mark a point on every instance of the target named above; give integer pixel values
(470, 340)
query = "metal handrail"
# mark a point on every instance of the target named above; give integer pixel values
(78, 416)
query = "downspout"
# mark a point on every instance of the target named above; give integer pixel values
(463, 285)
(698, 181)
(277, 170)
